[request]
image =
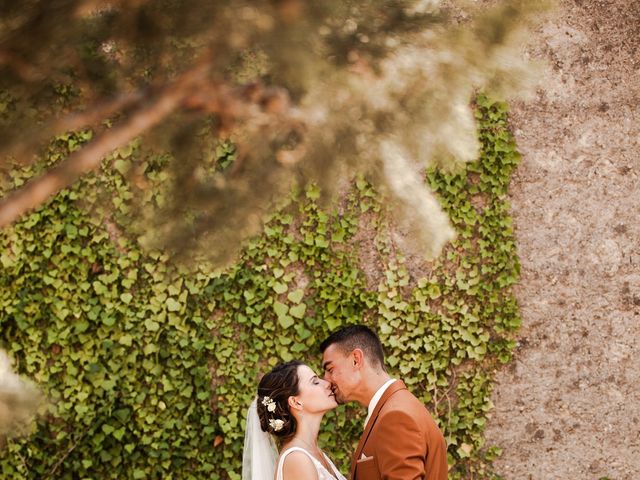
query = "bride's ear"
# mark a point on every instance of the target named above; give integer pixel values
(294, 403)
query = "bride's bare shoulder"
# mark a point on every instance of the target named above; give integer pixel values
(297, 465)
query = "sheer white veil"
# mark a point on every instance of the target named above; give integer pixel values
(260, 452)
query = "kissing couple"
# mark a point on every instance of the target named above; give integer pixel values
(400, 439)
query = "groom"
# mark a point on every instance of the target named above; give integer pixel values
(400, 439)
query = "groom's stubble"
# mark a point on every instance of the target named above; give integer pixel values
(340, 400)
(337, 394)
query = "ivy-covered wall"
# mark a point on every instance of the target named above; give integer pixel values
(150, 367)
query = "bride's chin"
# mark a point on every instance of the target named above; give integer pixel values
(330, 407)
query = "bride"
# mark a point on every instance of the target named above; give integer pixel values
(290, 405)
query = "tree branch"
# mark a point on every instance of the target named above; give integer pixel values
(26, 72)
(193, 91)
(40, 189)
(74, 121)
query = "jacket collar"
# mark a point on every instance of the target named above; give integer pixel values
(393, 388)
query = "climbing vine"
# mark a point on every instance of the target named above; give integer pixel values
(150, 366)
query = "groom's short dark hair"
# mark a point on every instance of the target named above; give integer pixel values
(357, 336)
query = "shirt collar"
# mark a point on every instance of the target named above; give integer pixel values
(376, 398)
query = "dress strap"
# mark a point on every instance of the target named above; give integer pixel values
(335, 471)
(287, 452)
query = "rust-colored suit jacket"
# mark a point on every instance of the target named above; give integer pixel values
(401, 441)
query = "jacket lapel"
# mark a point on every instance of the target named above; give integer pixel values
(393, 388)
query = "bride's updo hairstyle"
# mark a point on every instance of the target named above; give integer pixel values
(274, 391)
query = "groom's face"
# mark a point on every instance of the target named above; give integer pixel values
(339, 371)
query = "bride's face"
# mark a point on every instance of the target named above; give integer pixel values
(314, 393)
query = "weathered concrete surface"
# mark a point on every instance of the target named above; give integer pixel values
(569, 405)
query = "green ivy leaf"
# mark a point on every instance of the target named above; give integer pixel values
(285, 321)
(280, 288)
(295, 296)
(126, 297)
(298, 310)
(151, 325)
(280, 308)
(173, 305)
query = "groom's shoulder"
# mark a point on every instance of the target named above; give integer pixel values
(403, 401)
(404, 408)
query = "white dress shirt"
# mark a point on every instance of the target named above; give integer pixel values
(376, 398)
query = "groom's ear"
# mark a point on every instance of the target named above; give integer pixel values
(357, 357)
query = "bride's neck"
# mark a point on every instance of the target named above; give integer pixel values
(307, 430)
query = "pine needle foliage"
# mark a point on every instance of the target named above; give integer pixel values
(19, 400)
(308, 92)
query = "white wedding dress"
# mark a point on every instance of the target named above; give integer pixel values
(323, 473)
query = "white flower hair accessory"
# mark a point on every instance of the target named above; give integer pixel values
(269, 403)
(276, 424)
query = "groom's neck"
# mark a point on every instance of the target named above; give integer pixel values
(371, 383)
